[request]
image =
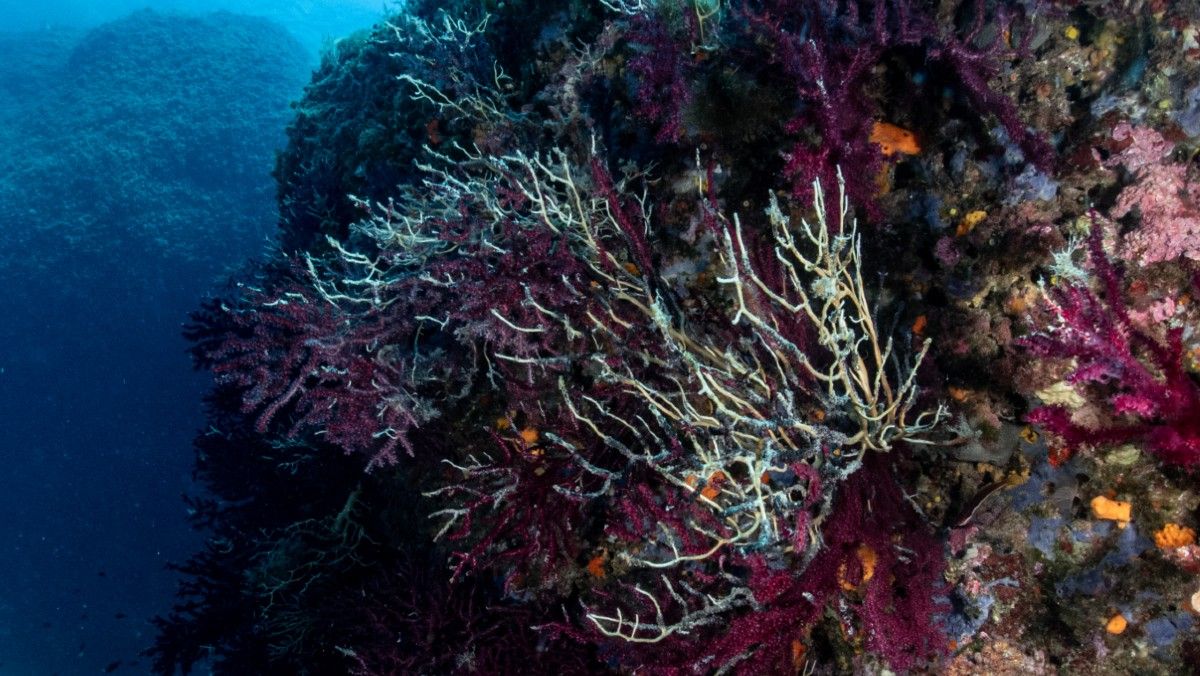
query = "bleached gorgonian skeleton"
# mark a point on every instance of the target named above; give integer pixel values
(748, 422)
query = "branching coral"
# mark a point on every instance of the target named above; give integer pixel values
(705, 452)
(829, 56)
(1140, 379)
(755, 439)
(831, 62)
(512, 510)
(631, 385)
(674, 412)
(308, 365)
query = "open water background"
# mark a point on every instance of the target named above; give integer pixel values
(98, 401)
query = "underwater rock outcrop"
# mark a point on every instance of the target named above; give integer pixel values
(709, 337)
(149, 137)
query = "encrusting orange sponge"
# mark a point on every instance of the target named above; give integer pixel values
(530, 436)
(1173, 535)
(713, 489)
(1112, 510)
(867, 558)
(892, 139)
(1116, 624)
(595, 567)
(968, 223)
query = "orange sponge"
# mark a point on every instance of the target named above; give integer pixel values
(892, 139)
(1112, 510)
(1173, 535)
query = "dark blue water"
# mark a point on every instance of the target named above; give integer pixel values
(134, 177)
(97, 406)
